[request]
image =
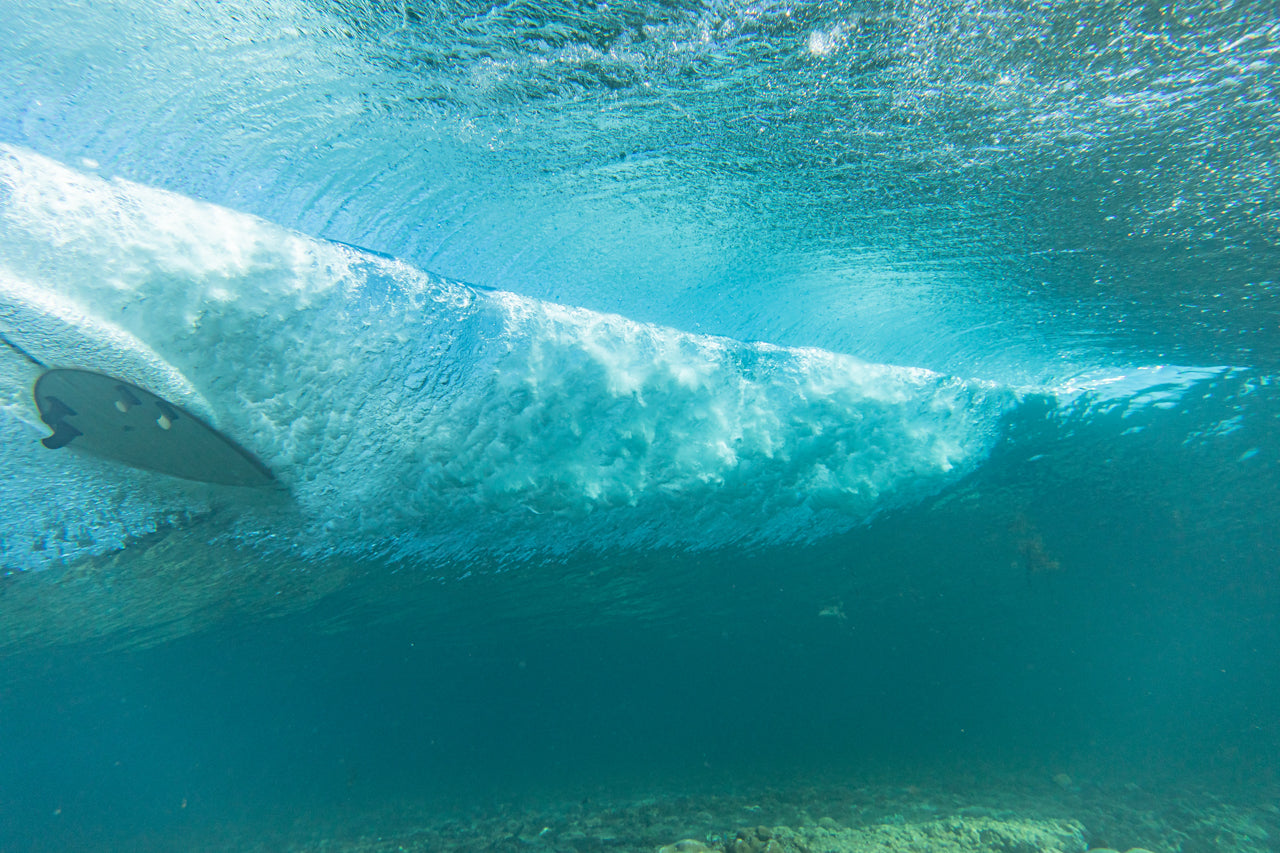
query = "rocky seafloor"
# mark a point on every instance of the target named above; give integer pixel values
(1053, 814)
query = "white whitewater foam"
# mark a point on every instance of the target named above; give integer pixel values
(413, 417)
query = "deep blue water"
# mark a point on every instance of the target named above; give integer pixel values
(728, 394)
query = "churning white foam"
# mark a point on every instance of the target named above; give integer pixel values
(414, 417)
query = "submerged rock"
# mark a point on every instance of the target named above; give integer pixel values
(688, 845)
(757, 839)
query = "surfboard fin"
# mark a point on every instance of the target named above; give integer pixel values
(56, 418)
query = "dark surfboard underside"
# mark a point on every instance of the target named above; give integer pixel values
(109, 417)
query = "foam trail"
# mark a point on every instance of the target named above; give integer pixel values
(414, 417)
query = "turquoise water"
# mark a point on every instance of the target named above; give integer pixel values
(665, 398)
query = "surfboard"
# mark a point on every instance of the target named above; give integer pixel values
(109, 417)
